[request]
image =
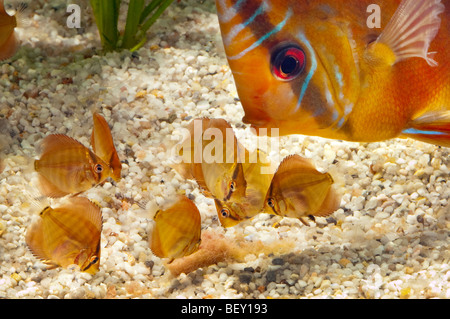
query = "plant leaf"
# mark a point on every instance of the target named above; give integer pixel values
(156, 15)
(133, 17)
(106, 13)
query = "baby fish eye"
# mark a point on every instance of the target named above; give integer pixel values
(92, 261)
(98, 168)
(288, 62)
(270, 202)
(232, 186)
(225, 213)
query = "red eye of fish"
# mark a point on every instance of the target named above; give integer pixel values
(288, 63)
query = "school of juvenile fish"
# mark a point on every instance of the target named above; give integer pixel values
(243, 186)
(70, 233)
(316, 68)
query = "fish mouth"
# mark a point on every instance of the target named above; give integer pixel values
(262, 127)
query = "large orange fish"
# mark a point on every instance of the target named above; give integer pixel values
(324, 68)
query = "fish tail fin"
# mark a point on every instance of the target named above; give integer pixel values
(432, 127)
(412, 28)
(21, 11)
(330, 204)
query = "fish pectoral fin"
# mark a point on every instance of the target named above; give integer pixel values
(432, 127)
(412, 28)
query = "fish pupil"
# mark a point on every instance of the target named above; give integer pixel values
(289, 65)
(98, 168)
(224, 213)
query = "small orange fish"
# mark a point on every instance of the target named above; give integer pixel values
(320, 68)
(68, 234)
(212, 155)
(8, 41)
(299, 190)
(68, 167)
(177, 230)
(250, 201)
(103, 145)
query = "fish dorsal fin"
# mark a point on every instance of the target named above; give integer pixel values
(294, 161)
(412, 28)
(53, 143)
(103, 145)
(89, 209)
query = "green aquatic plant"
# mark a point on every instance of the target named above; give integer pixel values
(141, 16)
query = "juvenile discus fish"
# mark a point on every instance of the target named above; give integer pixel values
(103, 145)
(68, 167)
(68, 234)
(299, 190)
(177, 230)
(212, 155)
(242, 206)
(322, 67)
(8, 40)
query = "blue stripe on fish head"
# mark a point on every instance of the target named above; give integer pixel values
(261, 38)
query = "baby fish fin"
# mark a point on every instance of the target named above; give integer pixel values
(35, 241)
(330, 204)
(432, 127)
(10, 47)
(48, 189)
(54, 142)
(412, 28)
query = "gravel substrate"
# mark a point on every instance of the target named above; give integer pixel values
(389, 239)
